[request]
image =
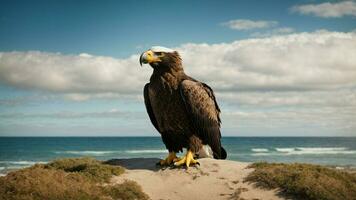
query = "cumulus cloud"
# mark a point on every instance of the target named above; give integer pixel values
(321, 60)
(273, 32)
(296, 82)
(245, 24)
(295, 77)
(297, 122)
(113, 113)
(82, 73)
(327, 10)
(340, 98)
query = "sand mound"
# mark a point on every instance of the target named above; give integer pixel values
(213, 179)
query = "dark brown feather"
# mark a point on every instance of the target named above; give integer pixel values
(149, 107)
(182, 109)
(204, 113)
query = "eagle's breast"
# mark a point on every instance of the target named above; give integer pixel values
(167, 104)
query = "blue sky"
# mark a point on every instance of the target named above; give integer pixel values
(117, 28)
(70, 68)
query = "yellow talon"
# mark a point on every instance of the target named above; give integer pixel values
(169, 160)
(187, 160)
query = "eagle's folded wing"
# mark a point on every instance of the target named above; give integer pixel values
(204, 113)
(149, 107)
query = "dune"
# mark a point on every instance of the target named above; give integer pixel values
(213, 179)
(140, 178)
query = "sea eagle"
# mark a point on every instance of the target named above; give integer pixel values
(183, 110)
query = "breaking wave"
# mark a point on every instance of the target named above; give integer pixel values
(262, 154)
(147, 151)
(259, 150)
(316, 150)
(87, 152)
(285, 150)
(7, 166)
(305, 151)
(22, 162)
(98, 153)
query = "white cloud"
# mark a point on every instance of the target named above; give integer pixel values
(296, 80)
(104, 95)
(339, 98)
(297, 62)
(82, 73)
(297, 122)
(289, 74)
(245, 24)
(326, 10)
(113, 113)
(320, 60)
(273, 32)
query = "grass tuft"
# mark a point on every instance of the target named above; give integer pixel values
(89, 167)
(129, 190)
(304, 181)
(79, 179)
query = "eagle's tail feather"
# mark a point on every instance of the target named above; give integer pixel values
(223, 153)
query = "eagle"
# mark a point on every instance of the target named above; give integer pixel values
(183, 110)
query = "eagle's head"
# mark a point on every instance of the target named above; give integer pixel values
(161, 57)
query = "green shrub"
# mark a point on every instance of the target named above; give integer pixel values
(305, 180)
(88, 167)
(40, 183)
(66, 179)
(129, 190)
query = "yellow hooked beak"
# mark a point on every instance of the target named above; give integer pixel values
(149, 57)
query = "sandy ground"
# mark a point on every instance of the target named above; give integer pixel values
(213, 179)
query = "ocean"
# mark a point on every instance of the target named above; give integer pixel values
(19, 152)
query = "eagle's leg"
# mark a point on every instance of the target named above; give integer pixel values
(187, 159)
(169, 160)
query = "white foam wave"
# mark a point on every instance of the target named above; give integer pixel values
(315, 150)
(22, 162)
(304, 151)
(87, 152)
(98, 153)
(285, 149)
(321, 148)
(259, 150)
(147, 151)
(261, 154)
(17, 167)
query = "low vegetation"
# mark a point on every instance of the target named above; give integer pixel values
(305, 181)
(88, 167)
(79, 179)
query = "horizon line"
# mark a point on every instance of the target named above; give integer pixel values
(159, 136)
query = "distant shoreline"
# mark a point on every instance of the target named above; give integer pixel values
(346, 168)
(19, 152)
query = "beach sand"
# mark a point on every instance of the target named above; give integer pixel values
(213, 179)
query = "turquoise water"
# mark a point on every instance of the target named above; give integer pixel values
(18, 152)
